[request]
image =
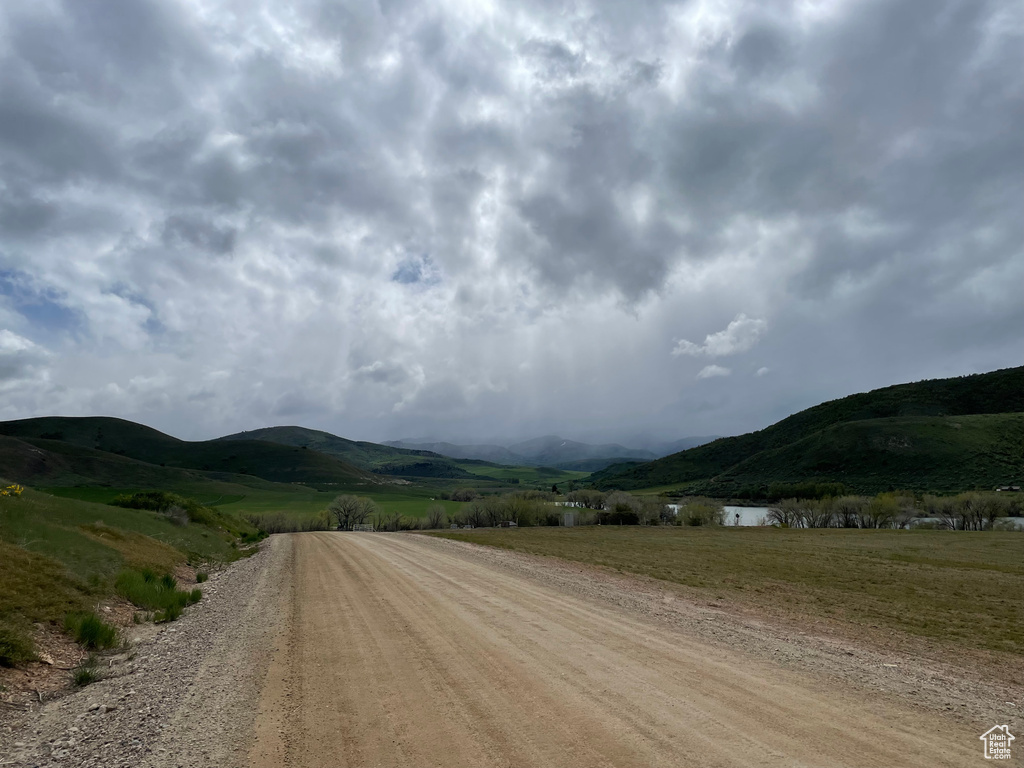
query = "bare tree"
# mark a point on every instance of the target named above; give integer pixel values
(787, 513)
(817, 514)
(344, 510)
(847, 510)
(475, 513)
(906, 511)
(494, 510)
(349, 510)
(365, 510)
(435, 516)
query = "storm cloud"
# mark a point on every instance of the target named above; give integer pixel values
(475, 221)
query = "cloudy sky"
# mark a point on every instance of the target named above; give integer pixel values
(479, 220)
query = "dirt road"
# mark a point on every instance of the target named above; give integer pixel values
(399, 651)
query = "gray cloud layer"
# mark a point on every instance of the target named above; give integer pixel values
(472, 220)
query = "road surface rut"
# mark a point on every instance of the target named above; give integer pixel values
(398, 651)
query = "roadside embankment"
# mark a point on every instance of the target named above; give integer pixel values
(181, 695)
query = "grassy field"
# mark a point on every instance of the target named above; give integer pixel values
(104, 495)
(960, 589)
(527, 476)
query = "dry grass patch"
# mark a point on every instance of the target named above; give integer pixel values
(138, 549)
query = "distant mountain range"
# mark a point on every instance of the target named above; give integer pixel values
(940, 435)
(550, 451)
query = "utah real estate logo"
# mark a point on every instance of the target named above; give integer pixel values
(997, 742)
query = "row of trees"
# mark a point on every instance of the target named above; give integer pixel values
(972, 511)
(524, 508)
(965, 512)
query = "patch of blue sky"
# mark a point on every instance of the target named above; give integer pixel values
(416, 270)
(44, 312)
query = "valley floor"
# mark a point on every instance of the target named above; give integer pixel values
(332, 649)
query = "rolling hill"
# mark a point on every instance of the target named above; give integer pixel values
(92, 446)
(903, 436)
(373, 457)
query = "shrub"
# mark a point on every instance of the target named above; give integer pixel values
(464, 494)
(12, 490)
(85, 673)
(179, 510)
(15, 647)
(201, 577)
(618, 518)
(437, 516)
(700, 511)
(280, 523)
(91, 631)
(171, 613)
(701, 514)
(160, 595)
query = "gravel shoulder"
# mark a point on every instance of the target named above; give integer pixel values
(182, 695)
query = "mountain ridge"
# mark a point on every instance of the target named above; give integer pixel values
(705, 468)
(379, 458)
(91, 438)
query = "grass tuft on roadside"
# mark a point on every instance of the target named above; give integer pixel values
(159, 594)
(87, 672)
(91, 631)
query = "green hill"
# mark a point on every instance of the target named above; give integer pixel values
(381, 459)
(60, 556)
(821, 443)
(924, 453)
(90, 446)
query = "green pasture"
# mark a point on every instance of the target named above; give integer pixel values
(527, 476)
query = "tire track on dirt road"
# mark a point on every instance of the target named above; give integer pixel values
(398, 651)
